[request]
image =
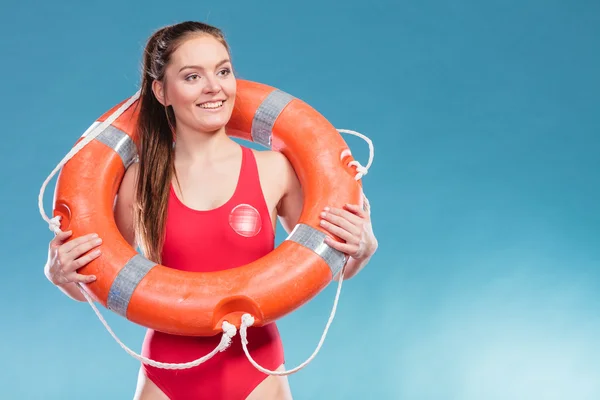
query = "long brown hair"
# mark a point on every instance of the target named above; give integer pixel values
(155, 127)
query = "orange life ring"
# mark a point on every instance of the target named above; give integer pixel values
(195, 303)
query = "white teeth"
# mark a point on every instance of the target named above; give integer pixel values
(216, 104)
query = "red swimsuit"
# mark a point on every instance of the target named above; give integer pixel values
(234, 234)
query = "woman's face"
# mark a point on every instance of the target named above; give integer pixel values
(199, 84)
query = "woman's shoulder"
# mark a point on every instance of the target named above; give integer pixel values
(271, 158)
(273, 163)
(275, 171)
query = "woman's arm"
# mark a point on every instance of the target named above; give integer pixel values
(124, 205)
(123, 211)
(351, 223)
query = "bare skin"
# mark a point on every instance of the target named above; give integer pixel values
(283, 196)
(208, 163)
(222, 177)
(273, 387)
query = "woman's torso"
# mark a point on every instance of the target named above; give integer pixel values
(237, 232)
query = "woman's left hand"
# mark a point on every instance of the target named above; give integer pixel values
(353, 225)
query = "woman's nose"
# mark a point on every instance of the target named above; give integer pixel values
(212, 85)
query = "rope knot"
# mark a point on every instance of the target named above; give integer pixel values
(361, 170)
(229, 329)
(54, 224)
(247, 320)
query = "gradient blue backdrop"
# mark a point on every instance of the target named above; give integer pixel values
(485, 119)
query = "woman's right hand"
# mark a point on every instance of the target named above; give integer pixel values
(65, 258)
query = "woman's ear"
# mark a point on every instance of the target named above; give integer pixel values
(159, 91)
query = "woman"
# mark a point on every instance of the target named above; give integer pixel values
(198, 201)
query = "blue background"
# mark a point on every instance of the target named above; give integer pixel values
(484, 189)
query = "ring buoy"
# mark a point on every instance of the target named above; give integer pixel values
(197, 303)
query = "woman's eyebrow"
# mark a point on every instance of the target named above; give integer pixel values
(201, 67)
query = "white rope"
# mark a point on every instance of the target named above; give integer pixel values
(229, 332)
(361, 171)
(248, 320)
(54, 223)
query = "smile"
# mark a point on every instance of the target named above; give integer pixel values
(212, 105)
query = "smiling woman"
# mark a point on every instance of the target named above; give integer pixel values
(197, 93)
(205, 206)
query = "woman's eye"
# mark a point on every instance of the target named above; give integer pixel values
(225, 71)
(192, 77)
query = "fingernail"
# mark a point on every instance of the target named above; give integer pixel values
(323, 214)
(92, 277)
(322, 222)
(94, 235)
(326, 208)
(96, 252)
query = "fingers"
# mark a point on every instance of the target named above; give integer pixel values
(69, 252)
(68, 274)
(346, 248)
(73, 255)
(358, 210)
(339, 232)
(343, 219)
(70, 246)
(77, 262)
(84, 247)
(347, 224)
(75, 278)
(60, 238)
(83, 278)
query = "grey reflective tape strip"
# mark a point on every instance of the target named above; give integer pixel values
(120, 142)
(313, 239)
(266, 115)
(125, 283)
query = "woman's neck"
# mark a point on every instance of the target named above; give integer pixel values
(193, 147)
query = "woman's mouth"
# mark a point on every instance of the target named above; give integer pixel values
(212, 105)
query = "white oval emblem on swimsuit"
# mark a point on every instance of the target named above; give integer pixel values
(245, 220)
